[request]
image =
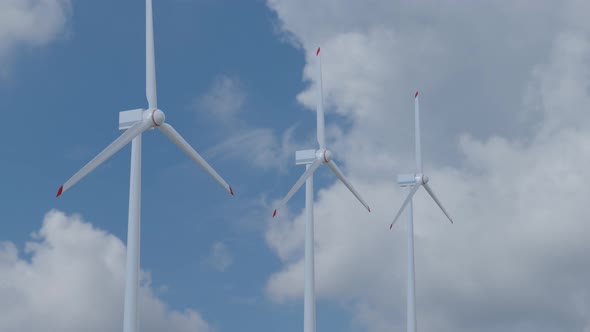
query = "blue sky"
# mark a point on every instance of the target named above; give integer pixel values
(505, 91)
(66, 97)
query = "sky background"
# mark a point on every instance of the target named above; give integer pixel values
(505, 100)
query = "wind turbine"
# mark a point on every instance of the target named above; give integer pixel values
(313, 159)
(413, 182)
(135, 122)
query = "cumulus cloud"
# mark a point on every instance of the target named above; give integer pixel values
(71, 278)
(30, 23)
(506, 138)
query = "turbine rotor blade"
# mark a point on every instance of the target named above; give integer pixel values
(175, 137)
(320, 108)
(429, 190)
(150, 58)
(105, 154)
(408, 199)
(340, 176)
(417, 133)
(316, 164)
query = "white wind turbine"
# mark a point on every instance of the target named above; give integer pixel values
(413, 182)
(136, 122)
(313, 159)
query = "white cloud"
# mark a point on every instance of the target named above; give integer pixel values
(504, 118)
(30, 23)
(72, 279)
(225, 103)
(259, 147)
(220, 257)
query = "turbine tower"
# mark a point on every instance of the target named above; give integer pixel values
(413, 182)
(135, 122)
(313, 159)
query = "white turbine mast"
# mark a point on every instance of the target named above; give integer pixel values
(313, 159)
(413, 182)
(135, 122)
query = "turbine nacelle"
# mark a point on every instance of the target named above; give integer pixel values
(410, 180)
(154, 117)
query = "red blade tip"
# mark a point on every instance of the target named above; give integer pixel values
(317, 52)
(61, 189)
(231, 191)
(274, 213)
(390, 226)
(368, 208)
(416, 95)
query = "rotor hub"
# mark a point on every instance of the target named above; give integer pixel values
(157, 117)
(324, 155)
(421, 179)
